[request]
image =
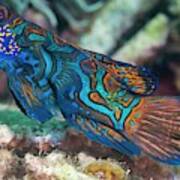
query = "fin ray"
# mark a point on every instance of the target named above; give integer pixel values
(158, 132)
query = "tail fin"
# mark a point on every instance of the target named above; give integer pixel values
(158, 132)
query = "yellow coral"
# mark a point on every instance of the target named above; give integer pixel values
(105, 171)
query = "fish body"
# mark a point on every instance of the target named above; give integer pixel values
(109, 101)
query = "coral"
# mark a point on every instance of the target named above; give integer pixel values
(40, 5)
(6, 135)
(79, 17)
(8, 164)
(4, 93)
(114, 19)
(37, 18)
(59, 166)
(174, 7)
(105, 170)
(175, 66)
(20, 132)
(102, 169)
(54, 166)
(22, 125)
(152, 36)
(148, 169)
(81, 12)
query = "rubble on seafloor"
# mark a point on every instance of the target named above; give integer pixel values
(33, 151)
(58, 166)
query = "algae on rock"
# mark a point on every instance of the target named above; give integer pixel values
(152, 36)
(115, 18)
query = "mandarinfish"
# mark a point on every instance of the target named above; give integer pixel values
(110, 102)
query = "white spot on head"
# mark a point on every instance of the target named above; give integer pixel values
(8, 44)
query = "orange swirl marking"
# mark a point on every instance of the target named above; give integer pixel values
(93, 81)
(89, 66)
(133, 120)
(17, 21)
(28, 92)
(125, 100)
(118, 114)
(58, 40)
(113, 134)
(33, 30)
(110, 84)
(96, 97)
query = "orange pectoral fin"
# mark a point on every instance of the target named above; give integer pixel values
(157, 130)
